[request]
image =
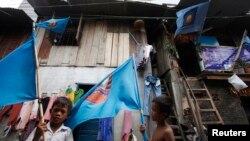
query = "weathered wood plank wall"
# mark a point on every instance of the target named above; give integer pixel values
(62, 56)
(102, 44)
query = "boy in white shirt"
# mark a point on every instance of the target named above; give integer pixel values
(54, 130)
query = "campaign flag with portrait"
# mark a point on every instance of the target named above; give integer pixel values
(118, 90)
(55, 25)
(191, 19)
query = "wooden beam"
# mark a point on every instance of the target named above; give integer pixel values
(224, 76)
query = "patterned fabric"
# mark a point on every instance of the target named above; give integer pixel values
(24, 115)
(28, 129)
(15, 111)
(34, 111)
(105, 130)
(4, 111)
(127, 125)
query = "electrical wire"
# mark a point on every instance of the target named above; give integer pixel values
(110, 17)
(143, 17)
(105, 3)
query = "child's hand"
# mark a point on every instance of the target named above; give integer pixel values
(41, 128)
(143, 128)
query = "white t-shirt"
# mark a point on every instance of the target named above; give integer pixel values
(62, 134)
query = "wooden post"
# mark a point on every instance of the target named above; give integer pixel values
(239, 50)
(79, 29)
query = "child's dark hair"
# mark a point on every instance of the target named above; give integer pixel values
(164, 104)
(63, 101)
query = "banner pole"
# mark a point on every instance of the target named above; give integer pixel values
(37, 81)
(139, 98)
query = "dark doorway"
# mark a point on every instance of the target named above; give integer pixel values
(86, 131)
(188, 60)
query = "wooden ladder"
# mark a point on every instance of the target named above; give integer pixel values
(202, 101)
(172, 119)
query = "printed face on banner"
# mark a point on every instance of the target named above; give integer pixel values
(101, 93)
(218, 58)
(52, 24)
(189, 17)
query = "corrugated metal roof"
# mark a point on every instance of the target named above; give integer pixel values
(28, 9)
(221, 7)
(220, 12)
(14, 17)
(100, 7)
(223, 13)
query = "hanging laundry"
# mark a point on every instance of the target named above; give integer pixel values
(15, 111)
(142, 56)
(31, 125)
(78, 95)
(127, 125)
(147, 50)
(34, 111)
(151, 84)
(24, 115)
(71, 93)
(5, 111)
(105, 130)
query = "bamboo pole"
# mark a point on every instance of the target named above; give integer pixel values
(37, 82)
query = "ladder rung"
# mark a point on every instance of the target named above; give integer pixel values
(192, 79)
(207, 110)
(212, 122)
(198, 89)
(204, 99)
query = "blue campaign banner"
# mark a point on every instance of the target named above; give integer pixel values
(191, 19)
(218, 58)
(245, 53)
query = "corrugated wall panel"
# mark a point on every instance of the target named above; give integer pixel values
(11, 39)
(44, 50)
